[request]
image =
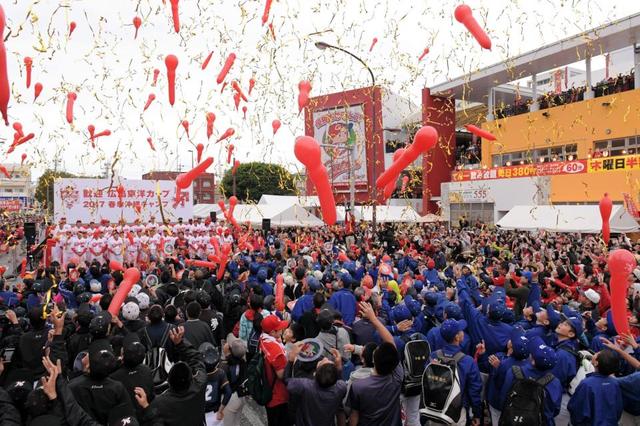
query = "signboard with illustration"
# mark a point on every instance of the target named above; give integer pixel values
(342, 128)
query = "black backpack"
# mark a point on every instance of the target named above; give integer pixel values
(416, 358)
(253, 344)
(256, 383)
(441, 392)
(158, 361)
(525, 401)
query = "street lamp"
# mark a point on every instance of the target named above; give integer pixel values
(321, 45)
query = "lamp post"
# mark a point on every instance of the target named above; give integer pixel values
(322, 46)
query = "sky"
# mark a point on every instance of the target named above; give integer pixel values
(112, 72)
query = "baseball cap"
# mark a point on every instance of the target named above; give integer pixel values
(453, 311)
(431, 264)
(576, 324)
(273, 323)
(100, 323)
(592, 295)
(451, 327)
(313, 283)
(528, 275)
(130, 311)
(519, 344)
(400, 313)
(133, 353)
(210, 354)
(554, 316)
(544, 357)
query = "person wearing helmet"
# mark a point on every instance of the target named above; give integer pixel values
(217, 391)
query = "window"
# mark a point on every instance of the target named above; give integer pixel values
(206, 184)
(620, 146)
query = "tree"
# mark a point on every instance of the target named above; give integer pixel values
(255, 179)
(44, 187)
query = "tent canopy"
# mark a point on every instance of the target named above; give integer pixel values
(585, 219)
(289, 200)
(280, 215)
(383, 214)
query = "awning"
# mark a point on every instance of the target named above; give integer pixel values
(289, 200)
(566, 218)
(383, 214)
(280, 215)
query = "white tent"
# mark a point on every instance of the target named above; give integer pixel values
(289, 200)
(566, 218)
(280, 215)
(202, 210)
(383, 214)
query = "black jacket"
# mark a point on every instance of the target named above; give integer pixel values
(101, 398)
(131, 378)
(197, 332)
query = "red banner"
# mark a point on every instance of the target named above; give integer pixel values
(10, 205)
(524, 170)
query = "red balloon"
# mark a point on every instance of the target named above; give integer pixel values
(199, 149)
(131, 277)
(150, 142)
(265, 14)
(605, 213)
(233, 202)
(304, 88)
(24, 157)
(425, 139)
(4, 171)
(120, 190)
(200, 264)
(92, 130)
(279, 292)
(236, 100)
(17, 126)
(227, 134)
(185, 124)
(252, 82)
(307, 151)
(405, 180)
(5, 91)
(103, 133)
(621, 264)
(480, 132)
(184, 180)
(150, 99)
(225, 69)
(211, 117)
(244, 112)
(275, 124)
(229, 153)
(388, 189)
(236, 164)
(28, 62)
(425, 52)
(206, 61)
(71, 98)
(373, 43)
(171, 61)
(72, 27)
(156, 72)
(136, 23)
(114, 265)
(236, 86)
(464, 15)
(175, 15)
(37, 89)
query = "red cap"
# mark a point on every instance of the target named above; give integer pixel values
(431, 264)
(273, 323)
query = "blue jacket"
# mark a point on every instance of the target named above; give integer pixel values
(629, 386)
(497, 375)
(345, 302)
(431, 275)
(436, 341)
(304, 304)
(597, 401)
(566, 366)
(470, 380)
(553, 394)
(534, 296)
(596, 343)
(539, 331)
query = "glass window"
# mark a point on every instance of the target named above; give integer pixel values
(617, 143)
(206, 184)
(571, 149)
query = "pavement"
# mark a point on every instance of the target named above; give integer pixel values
(253, 414)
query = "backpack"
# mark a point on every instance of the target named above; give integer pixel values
(256, 383)
(157, 360)
(583, 362)
(524, 405)
(441, 393)
(416, 357)
(253, 344)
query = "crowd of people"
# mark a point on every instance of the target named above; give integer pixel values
(408, 325)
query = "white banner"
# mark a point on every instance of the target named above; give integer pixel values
(90, 200)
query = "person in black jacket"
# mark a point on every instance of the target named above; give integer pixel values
(133, 374)
(196, 331)
(183, 403)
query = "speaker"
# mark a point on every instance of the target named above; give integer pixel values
(212, 216)
(266, 225)
(30, 232)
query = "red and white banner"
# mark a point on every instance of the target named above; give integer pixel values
(524, 170)
(10, 204)
(90, 200)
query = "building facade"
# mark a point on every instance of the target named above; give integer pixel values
(16, 192)
(204, 188)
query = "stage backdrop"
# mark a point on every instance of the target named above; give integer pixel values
(96, 199)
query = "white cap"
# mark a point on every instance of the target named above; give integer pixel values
(95, 286)
(318, 274)
(134, 290)
(143, 300)
(592, 295)
(130, 311)
(288, 280)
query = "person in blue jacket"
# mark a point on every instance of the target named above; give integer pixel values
(428, 315)
(343, 300)
(434, 337)
(452, 332)
(431, 275)
(305, 303)
(566, 346)
(261, 281)
(604, 330)
(542, 322)
(629, 386)
(597, 401)
(517, 354)
(544, 359)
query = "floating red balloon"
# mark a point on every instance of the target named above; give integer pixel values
(244, 112)
(388, 189)
(206, 61)
(199, 149)
(72, 27)
(5, 91)
(37, 89)
(103, 133)
(236, 100)
(307, 151)
(131, 277)
(156, 72)
(121, 191)
(373, 43)
(150, 142)
(227, 134)
(425, 52)
(171, 61)
(24, 157)
(275, 124)
(92, 130)
(464, 15)
(184, 180)
(605, 213)
(150, 99)
(175, 15)
(621, 264)
(201, 263)
(4, 171)
(252, 82)
(236, 164)
(114, 265)
(236, 86)
(225, 69)
(425, 139)
(17, 126)
(229, 153)
(304, 88)
(185, 125)
(211, 117)
(224, 258)
(279, 302)
(136, 23)
(71, 98)
(28, 62)
(480, 132)
(265, 14)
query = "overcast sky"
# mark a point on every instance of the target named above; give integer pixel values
(112, 73)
